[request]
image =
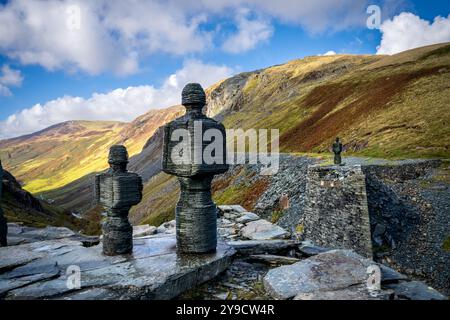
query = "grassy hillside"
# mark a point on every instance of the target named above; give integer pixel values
(64, 153)
(381, 106)
(20, 206)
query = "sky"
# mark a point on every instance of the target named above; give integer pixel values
(66, 60)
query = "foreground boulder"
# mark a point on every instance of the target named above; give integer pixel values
(43, 270)
(335, 275)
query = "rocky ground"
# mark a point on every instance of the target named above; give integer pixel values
(260, 260)
(270, 265)
(63, 267)
(408, 206)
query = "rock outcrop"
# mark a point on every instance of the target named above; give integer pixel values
(340, 275)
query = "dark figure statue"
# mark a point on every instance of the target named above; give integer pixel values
(117, 191)
(337, 149)
(3, 224)
(196, 213)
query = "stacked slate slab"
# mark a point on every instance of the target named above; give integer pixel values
(196, 213)
(117, 191)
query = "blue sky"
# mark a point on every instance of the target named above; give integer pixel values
(142, 53)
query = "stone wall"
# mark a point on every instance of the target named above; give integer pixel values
(336, 211)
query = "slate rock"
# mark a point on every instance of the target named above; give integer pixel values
(237, 208)
(18, 234)
(310, 250)
(358, 292)
(248, 247)
(161, 229)
(273, 259)
(143, 230)
(389, 275)
(247, 217)
(415, 290)
(327, 271)
(263, 230)
(153, 271)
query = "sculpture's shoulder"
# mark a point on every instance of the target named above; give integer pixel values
(134, 175)
(181, 119)
(105, 174)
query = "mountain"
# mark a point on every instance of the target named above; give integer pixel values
(61, 154)
(381, 106)
(77, 195)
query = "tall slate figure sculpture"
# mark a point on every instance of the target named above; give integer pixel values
(3, 225)
(196, 213)
(118, 190)
(337, 149)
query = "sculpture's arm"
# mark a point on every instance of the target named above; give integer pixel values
(1, 181)
(96, 190)
(140, 187)
(335, 148)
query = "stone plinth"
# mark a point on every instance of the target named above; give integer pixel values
(336, 211)
(153, 271)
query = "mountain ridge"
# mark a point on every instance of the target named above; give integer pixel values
(62, 153)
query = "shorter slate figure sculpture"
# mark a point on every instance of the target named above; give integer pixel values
(196, 213)
(117, 191)
(3, 224)
(337, 149)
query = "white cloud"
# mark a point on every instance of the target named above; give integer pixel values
(315, 16)
(330, 53)
(120, 104)
(408, 31)
(111, 35)
(250, 33)
(115, 36)
(9, 78)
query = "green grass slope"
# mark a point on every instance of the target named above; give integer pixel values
(64, 153)
(381, 106)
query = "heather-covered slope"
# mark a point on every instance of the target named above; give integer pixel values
(381, 106)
